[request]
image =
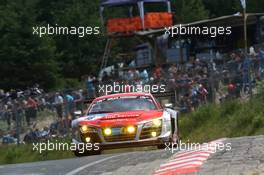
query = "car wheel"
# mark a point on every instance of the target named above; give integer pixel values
(87, 153)
(173, 142)
(161, 146)
(79, 154)
(95, 152)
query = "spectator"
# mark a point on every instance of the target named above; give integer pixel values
(231, 90)
(90, 84)
(58, 102)
(173, 71)
(131, 75)
(246, 72)
(69, 108)
(144, 76)
(202, 94)
(31, 109)
(79, 100)
(157, 73)
(31, 136)
(105, 78)
(194, 96)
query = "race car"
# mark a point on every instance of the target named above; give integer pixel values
(125, 120)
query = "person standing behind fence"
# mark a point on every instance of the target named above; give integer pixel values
(202, 94)
(246, 65)
(69, 108)
(27, 112)
(78, 96)
(31, 110)
(58, 102)
(90, 86)
(144, 76)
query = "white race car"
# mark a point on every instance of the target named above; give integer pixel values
(124, 120)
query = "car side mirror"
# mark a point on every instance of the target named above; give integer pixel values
(78, 114)
(168, 105)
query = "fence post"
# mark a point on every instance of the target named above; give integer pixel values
(18, 123)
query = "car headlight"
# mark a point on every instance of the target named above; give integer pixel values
(107, 131)
(131, 129)
(153, 124)
(85, 129)
(157, 122)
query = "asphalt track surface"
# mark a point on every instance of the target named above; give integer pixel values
(246, 157)
(92, 165)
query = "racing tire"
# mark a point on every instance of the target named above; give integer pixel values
(87, 153)
(161, 146)
(174, 140)
(78, 154)
(95, 152)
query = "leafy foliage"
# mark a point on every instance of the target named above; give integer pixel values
(25, 59)
(193, 10)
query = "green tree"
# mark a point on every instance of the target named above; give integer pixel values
(25, 58)
(255, 6)
(222, 7)
(193, 10)
(78, 55)
(229, 7)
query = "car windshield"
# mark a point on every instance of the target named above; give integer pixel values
(123, 104)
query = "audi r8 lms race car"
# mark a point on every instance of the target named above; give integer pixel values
(125, 120)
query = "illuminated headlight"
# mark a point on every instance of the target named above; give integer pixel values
(131, 129)
(157, 122)
(107, 131)
(154, 123)
(84, 129)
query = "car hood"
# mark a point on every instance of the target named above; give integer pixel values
(119, 118)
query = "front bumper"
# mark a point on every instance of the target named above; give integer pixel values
(137, 140)
(127, 144)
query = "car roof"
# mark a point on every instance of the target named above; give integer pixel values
(123, 95)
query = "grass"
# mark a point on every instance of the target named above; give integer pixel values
(24, 153)
(10, 154)
(231, 119)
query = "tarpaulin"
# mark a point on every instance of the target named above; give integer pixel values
(127, 25)
(139, 3)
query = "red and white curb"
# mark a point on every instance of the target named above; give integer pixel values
(188, 161)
